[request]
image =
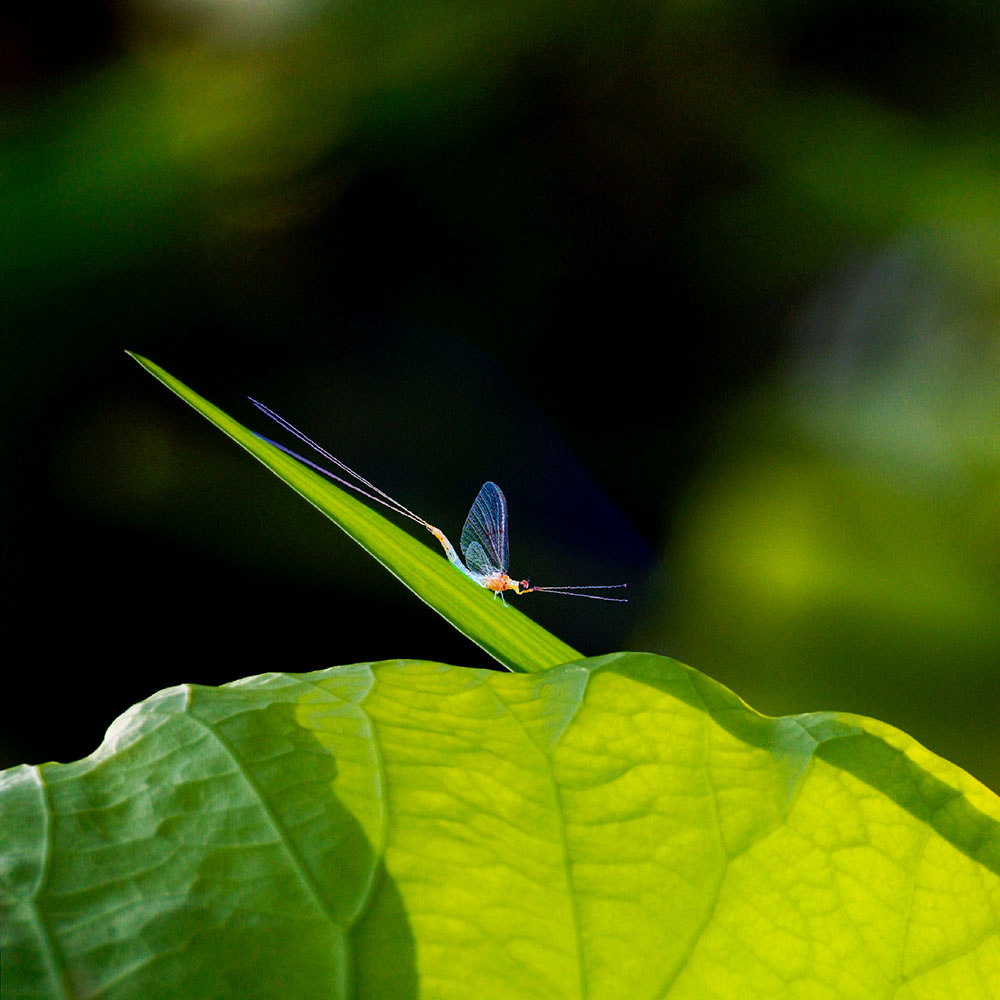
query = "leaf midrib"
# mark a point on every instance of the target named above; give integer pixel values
(546, 755)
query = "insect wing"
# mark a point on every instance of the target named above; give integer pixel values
(486, 529)
(478, 563)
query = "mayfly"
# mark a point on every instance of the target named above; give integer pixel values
(484, 544)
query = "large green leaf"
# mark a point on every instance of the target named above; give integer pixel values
(506, 634)
(619, 827)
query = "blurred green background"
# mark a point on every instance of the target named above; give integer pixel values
(712, 290)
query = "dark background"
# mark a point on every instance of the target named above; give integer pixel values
(711, 289)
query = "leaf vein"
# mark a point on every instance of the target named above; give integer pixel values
(298, 863)
(563, 838)
(57, 966)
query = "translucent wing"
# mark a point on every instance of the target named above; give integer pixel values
(478, 563)
(486, 527)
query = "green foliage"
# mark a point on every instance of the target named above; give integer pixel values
(507, 635)
(617, 827)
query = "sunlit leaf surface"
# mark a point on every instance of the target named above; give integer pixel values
(506, 634)
(618, 827)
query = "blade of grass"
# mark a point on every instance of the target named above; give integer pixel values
(506, 634)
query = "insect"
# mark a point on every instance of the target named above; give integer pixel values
(484, 542)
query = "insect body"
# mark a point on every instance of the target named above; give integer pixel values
(485, 550)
